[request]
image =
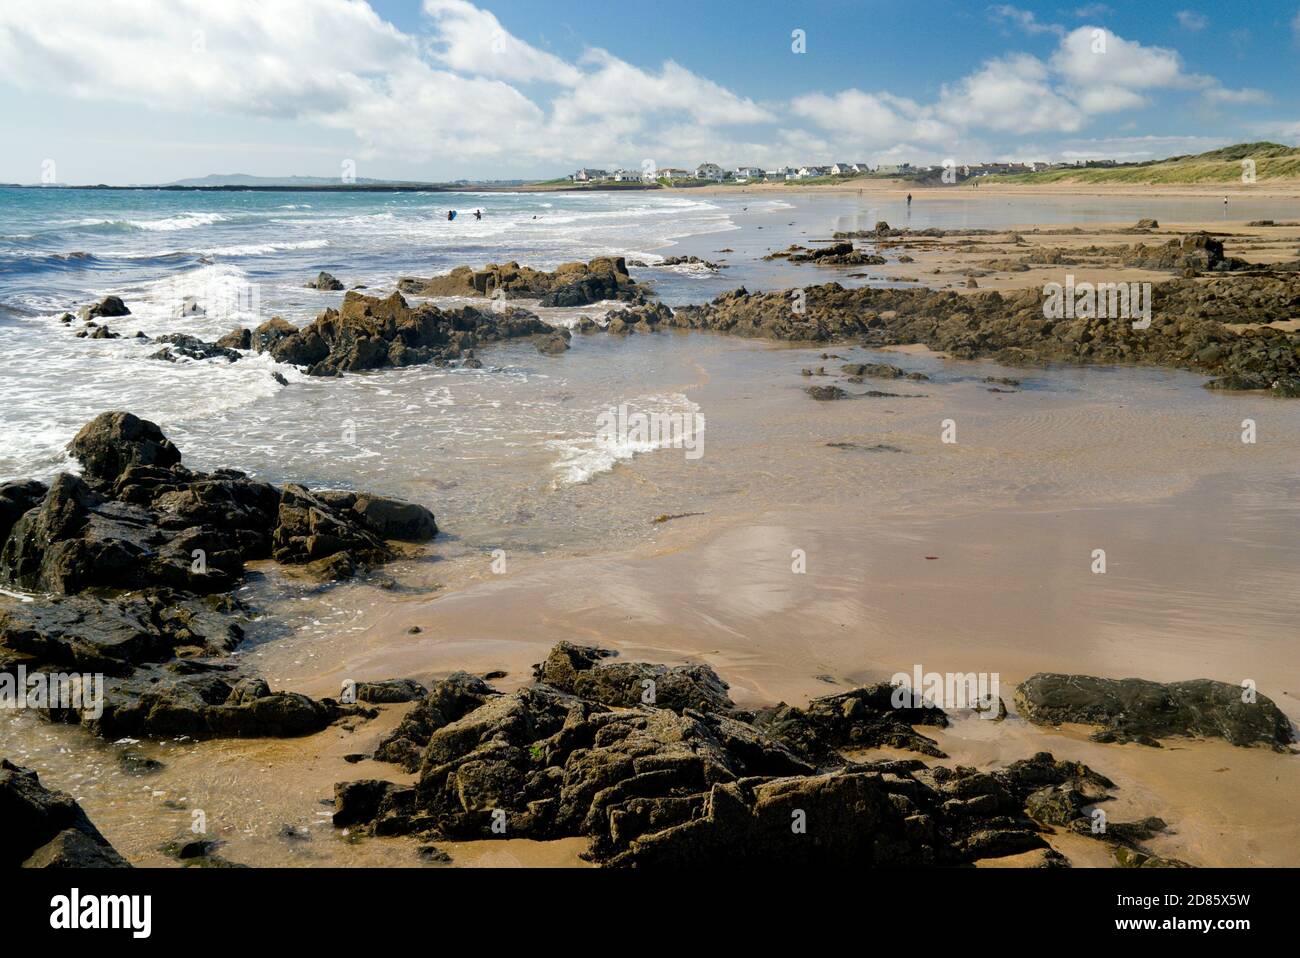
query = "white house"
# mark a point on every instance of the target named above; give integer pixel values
(844, 169)
(672, 173)
(780, 173)
(626, 176)
(751, 172)
(589, 176)
(709, 171)
(808, 172)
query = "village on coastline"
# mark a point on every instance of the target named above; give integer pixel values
(712, 173)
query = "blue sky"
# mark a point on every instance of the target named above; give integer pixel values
(124, 91)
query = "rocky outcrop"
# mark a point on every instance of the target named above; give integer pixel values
(40, 828)
(572, 284)
(141, 555)
(1138, 710)
(366, 332)
(1186, 331)
(686, 778)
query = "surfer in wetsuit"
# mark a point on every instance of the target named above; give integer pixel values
(478, 214)
(451, 215)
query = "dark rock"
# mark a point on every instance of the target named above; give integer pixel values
(386, 518)
(390, 691)
(324, 281)
(357, 802)
(448, 700)
(587, 672)
(653, 786)
(113, 441)
(554, 344)
(188, 845)
(236, 339)
(108, 307)
(180, 345)
(863, 718)
(826, 393)
(371, 333)
(433, 855)
(40, 828)
(881, 371)
(1138, 710)
(16, 498)
(572, 284)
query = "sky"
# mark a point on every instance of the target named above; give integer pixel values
(151, 91)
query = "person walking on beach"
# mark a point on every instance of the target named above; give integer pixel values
(909, 200)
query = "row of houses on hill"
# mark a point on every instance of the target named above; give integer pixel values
(712, 172)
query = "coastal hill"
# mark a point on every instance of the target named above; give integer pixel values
(1272, 161)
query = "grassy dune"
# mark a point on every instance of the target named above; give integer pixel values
(1272, 162)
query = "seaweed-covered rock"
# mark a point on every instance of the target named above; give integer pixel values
(1138, 710)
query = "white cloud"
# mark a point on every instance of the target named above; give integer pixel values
(1024, 19)
(1191, 20)
(1092, 56)
(465, 88)
(1243, 96)
(1010, 93)
(869, 119)
(472, 40)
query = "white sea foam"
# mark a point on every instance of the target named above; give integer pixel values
(583, 458)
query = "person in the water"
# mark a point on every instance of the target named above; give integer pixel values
(478, 214)
(451, 215)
